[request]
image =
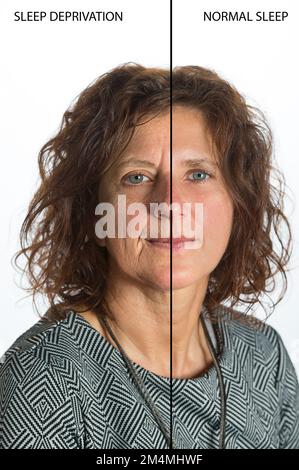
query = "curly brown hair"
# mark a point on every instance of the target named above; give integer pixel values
(63, 260)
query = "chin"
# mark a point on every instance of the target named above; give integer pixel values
(181, 279)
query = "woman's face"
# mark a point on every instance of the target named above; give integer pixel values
(143, 175)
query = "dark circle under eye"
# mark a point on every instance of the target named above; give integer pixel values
(199, 175)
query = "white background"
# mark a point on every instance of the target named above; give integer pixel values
(44, 66)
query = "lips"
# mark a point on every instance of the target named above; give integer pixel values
(176, 245)
(168, 240)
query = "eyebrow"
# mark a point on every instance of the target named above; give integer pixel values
(190, 162)
(136, 162)
(195, 162)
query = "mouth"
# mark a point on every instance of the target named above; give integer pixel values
(174, 244)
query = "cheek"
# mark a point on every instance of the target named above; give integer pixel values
(217, 215)
(124, 251)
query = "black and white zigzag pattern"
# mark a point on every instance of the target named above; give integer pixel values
(65, 386)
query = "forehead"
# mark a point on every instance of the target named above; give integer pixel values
(190, 131)
(183, 131)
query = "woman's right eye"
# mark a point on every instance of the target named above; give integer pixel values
(135, 179)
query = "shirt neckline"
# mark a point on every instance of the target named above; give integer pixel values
(175, 380)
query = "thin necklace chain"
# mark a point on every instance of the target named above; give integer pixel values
(142, 389)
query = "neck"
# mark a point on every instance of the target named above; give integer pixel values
(144, 327)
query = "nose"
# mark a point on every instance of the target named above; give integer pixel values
(168, 196)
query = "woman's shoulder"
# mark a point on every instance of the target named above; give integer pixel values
(46, 344)
(249, 335)
(261, 354)
(40, 382)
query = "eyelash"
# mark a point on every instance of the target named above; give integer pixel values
(134, 174)
(201, 171)
(194, 181)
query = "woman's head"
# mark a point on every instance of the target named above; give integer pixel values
(144, 176)
(125, 116)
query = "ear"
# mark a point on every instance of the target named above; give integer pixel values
(98, 239)
(101, 242)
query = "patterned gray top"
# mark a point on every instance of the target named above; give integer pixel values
(63, 385)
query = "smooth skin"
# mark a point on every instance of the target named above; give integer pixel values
(139, 272)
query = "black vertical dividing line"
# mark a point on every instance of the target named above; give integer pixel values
(170, 224)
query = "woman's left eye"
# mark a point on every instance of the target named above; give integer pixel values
(135, 179)
(199, 176)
